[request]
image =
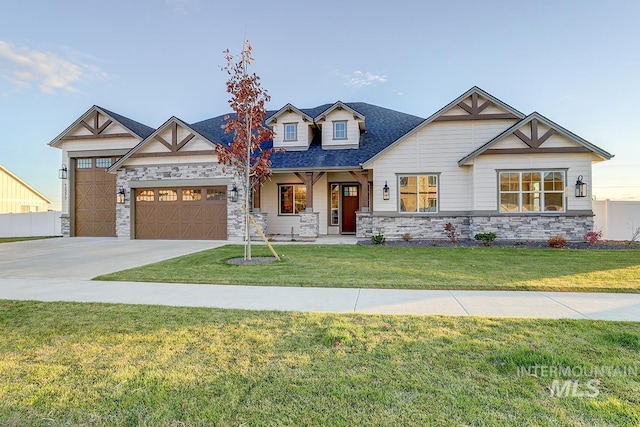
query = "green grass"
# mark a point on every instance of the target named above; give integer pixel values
(486, 268)
(21, 239)
(68, 364)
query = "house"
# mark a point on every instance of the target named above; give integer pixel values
(346, 168)
(16, 196)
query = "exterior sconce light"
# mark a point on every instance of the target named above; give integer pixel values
(63, 172)
(581, 187)
(120, 196)
(385, 191)
(233, 194)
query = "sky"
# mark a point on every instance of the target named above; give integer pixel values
(575, 62)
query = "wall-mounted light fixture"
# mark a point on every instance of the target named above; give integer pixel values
(233, 194)
(386, 191)
(581, 187)
(120, 195)
(63, 172)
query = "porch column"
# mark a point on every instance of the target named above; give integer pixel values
(309, 181)
(256, 198)
(363, 180)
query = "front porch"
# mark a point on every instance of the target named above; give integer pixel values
(308, 204)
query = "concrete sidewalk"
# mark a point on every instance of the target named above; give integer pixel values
(548, 305)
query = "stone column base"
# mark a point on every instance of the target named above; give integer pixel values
(309, 225)
(261, 219)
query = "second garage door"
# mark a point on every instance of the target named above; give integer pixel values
(181, 213)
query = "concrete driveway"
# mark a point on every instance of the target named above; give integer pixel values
(87, 257)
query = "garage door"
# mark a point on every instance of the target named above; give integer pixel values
(95, 197)
(181, 213)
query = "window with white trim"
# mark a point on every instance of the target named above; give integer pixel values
(340, 129)
(290, 131)
(293, 199)
(531, 191)
(418, 193)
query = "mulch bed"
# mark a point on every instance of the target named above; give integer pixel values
(252, 261)
(540, 244)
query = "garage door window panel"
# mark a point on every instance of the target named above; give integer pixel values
(167, 195)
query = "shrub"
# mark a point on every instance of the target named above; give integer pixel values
(450, 229)
(406, 237)
(485, 238)
(557, 242)
(378, 239)
(592, 237)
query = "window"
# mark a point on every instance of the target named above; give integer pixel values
(167, 195)
(191, 195)
(340, 130)
(214, 194)
(84, 163)
(293, 199)
(144, 195)
(290, 131)
(532, 191)
(103, 162)
(418, 193)
(335, 204)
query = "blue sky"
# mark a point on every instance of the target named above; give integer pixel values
(577, 63)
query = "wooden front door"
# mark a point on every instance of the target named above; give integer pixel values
(350, 202)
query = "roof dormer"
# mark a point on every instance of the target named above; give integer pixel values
(341, 126)
(292, 128)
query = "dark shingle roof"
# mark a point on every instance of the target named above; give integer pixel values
(384, 127)
(138, 128)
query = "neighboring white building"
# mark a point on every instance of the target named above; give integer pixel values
(347, 168)
(16, 196)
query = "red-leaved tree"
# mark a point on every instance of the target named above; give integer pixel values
(246, 155)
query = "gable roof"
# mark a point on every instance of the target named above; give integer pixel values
(542, 119)
(287, 108)
(384, 126)
(152, 136)
(474, 90)
(23, 183)
(136, 128)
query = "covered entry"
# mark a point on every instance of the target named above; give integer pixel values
(188, 213)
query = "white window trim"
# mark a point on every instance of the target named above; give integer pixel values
(295, 136)
(398, 192)
(542, 192)
(280, 213)
(345, 130)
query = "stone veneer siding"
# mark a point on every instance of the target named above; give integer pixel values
(235, 213)
(309, 225)
(524, 227)
(65, 225)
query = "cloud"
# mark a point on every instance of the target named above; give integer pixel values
(359, 79)
(365, 78)
(181, 7)
(24, 67)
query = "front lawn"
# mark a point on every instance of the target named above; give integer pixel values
(486, 268)
(69, 364)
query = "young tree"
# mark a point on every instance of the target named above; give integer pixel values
(246, 154)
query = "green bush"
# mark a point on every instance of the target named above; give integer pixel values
(378, 239)
(486, 238)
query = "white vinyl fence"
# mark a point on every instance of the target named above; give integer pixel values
(617, 219)
(30, 224)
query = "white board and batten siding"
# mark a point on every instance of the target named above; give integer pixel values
(16, 196)
(282, 224)
(304, 132)
(436, 149)
(353, 130)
